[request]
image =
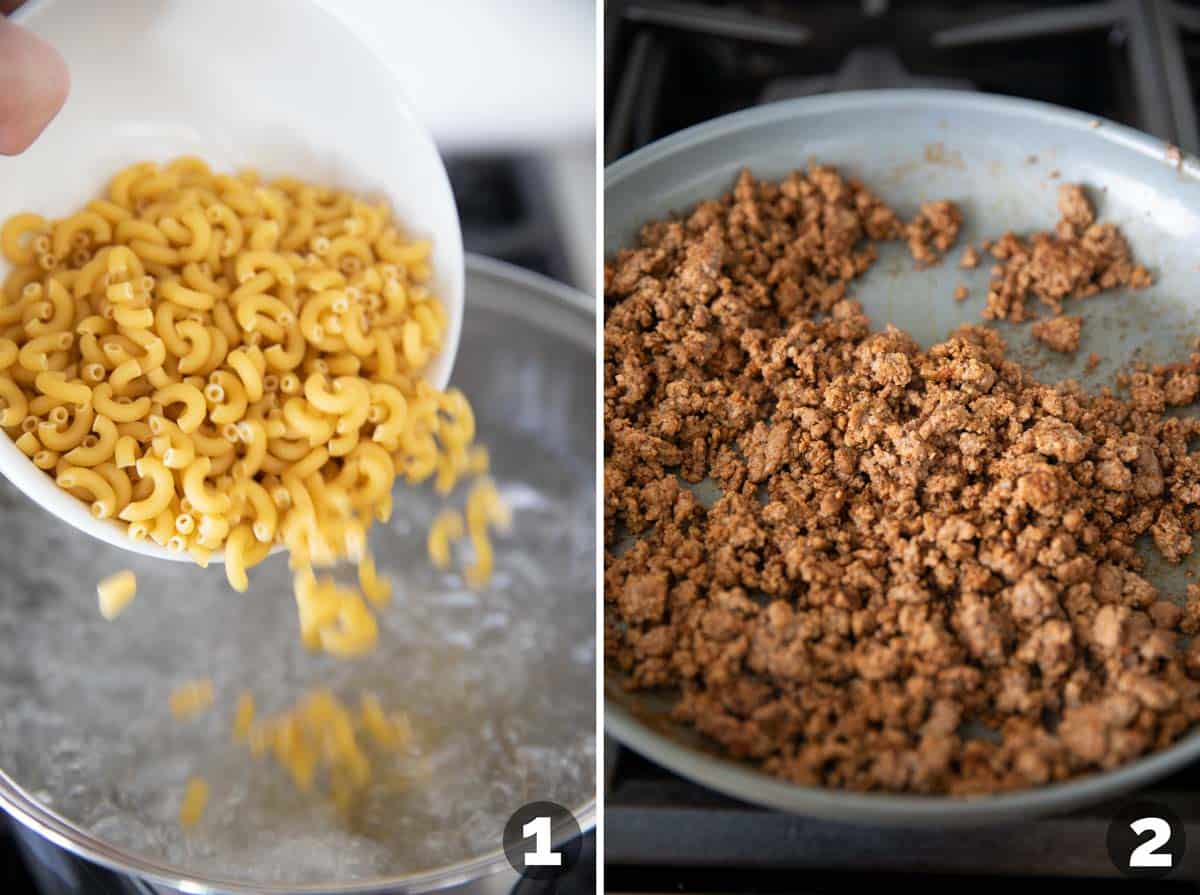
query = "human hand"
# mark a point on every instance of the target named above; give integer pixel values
(33, 84)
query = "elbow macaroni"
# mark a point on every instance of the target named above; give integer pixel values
(115, 593)
(329, 748)
(195, 800)
(218, 362)
(192, 698)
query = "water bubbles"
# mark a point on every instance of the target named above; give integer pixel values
(84, 721)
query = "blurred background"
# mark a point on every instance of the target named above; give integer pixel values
(514, 116)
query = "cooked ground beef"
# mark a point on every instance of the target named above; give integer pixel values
(933, 231)
(1058, 333)
(1079, 259)
(908, 545)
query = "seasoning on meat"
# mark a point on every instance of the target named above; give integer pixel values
(1058, 333)
(933, 231)
(907, 545)
(1079, 259)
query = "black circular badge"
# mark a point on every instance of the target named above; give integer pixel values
(542, 840)
(1146, 840)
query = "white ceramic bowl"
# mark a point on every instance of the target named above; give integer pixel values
(281, 85)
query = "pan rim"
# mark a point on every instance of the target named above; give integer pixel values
(741, 781)
(892, 100)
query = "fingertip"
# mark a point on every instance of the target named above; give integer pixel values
(57, 84)
(60, 86)
(37, 81)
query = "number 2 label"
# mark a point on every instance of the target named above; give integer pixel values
(542, 855)
(1146, 854)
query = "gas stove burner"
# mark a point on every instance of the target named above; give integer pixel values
(866, 68)
(1156, 33)
(672, 64)
(718, 21)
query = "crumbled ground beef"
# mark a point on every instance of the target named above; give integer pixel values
(961, 293)
(1154, 388)
(933, 231)
(907, 544)
(1079, 259)
(1059, 333)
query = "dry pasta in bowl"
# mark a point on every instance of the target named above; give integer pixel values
(224, 363)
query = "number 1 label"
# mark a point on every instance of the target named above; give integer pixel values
(542, 855)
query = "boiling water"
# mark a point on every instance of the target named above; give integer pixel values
(499, 683)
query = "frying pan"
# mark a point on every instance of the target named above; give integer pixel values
(1001, 159)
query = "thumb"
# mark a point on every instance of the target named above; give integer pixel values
(35, 81)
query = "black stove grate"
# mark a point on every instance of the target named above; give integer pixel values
(506, 212)
(671, 64)
(647, 807)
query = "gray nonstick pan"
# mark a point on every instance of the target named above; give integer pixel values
(1001, 160)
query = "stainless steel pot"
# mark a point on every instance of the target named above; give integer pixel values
(1001, 159)
(500, 684)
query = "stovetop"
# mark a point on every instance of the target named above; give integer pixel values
(669, 65)
(647, 807)
(506, 211)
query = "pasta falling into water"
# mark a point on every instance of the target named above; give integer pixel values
(218, 362)
(484, 509)
(324, 745)
(195, 800)
(327, 747)
(115, 593)
(243, 717)
(191, 698)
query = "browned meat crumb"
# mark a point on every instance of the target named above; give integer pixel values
(1059, 333)
(1079, 259)
(907, 542)
(961, 293)
(933, 231)
(1163, 385)
(1093, 361)
(1075, 211)
(970, 258)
